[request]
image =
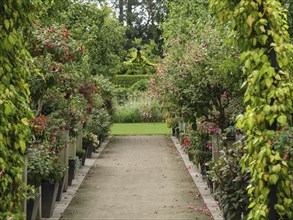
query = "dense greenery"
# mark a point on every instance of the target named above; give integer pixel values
(199, 77)
(99, 31)
(262, 31)
(14, 103)
(143, 19)
(139, 106)
(126, 81)
(75, 49)
(231, 182)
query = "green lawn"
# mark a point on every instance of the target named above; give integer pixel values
(140, 129)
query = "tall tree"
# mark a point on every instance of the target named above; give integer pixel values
(143, 19)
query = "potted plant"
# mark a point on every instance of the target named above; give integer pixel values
(33, 201)
(72, 165)
(45, 169)
(89, 142)
(81, 154)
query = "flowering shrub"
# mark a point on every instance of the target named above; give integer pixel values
(39, 125)
(44, 164)
(55, 40)
(201, 146)
(231, 182)
(90, 139)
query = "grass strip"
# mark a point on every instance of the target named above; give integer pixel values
(140, 129)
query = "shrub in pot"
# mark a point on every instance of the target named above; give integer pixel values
(81, 154)
(201, 147)
(89, 143)
(231, 182)
(45, 169)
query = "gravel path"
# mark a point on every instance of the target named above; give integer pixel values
(138, 177)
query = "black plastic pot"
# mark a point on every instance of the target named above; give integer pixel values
(60, 189)
(71, 170)
(48, 195)
(83, 159)
(89, 151)
(32, 207)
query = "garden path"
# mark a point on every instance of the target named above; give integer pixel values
(138, 177)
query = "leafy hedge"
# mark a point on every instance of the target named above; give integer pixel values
(127, 81)
(14, 105)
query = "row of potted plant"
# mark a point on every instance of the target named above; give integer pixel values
(49, 168)
(70, 106)
(218, 155)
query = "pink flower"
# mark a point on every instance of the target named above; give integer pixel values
(286, 156)
(225, 94)
(1, 173)
(189, 206)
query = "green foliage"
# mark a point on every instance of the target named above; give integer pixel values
(141, 60)
(141, 85)
(100, 123)
(143, 19)
(262, 31)
(44, 165)
(126, 81)
(200, 146)
(139, 108)
(289, 7)
(14, 107)
(199, 77)
(100, 33)
(231, 182)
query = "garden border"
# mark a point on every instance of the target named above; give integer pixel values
(61, 206)
(208, 198)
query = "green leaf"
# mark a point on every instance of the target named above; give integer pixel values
(267, 109)
(250, 19)
(250, 122)
(276, 168)
(274, 179)
(25, 121)
(7, 109)
(22, 145)
(269, 82)
(282, 119)
(7, 24)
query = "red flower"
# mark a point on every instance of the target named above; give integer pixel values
(66, 35)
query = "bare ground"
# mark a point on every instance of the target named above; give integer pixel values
(138, 177)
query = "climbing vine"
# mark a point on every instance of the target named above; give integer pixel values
(14, 99)
(262, 31)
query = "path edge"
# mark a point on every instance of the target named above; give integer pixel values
(62, 205)
(203, 189)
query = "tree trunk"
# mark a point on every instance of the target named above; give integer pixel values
(121, 12)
